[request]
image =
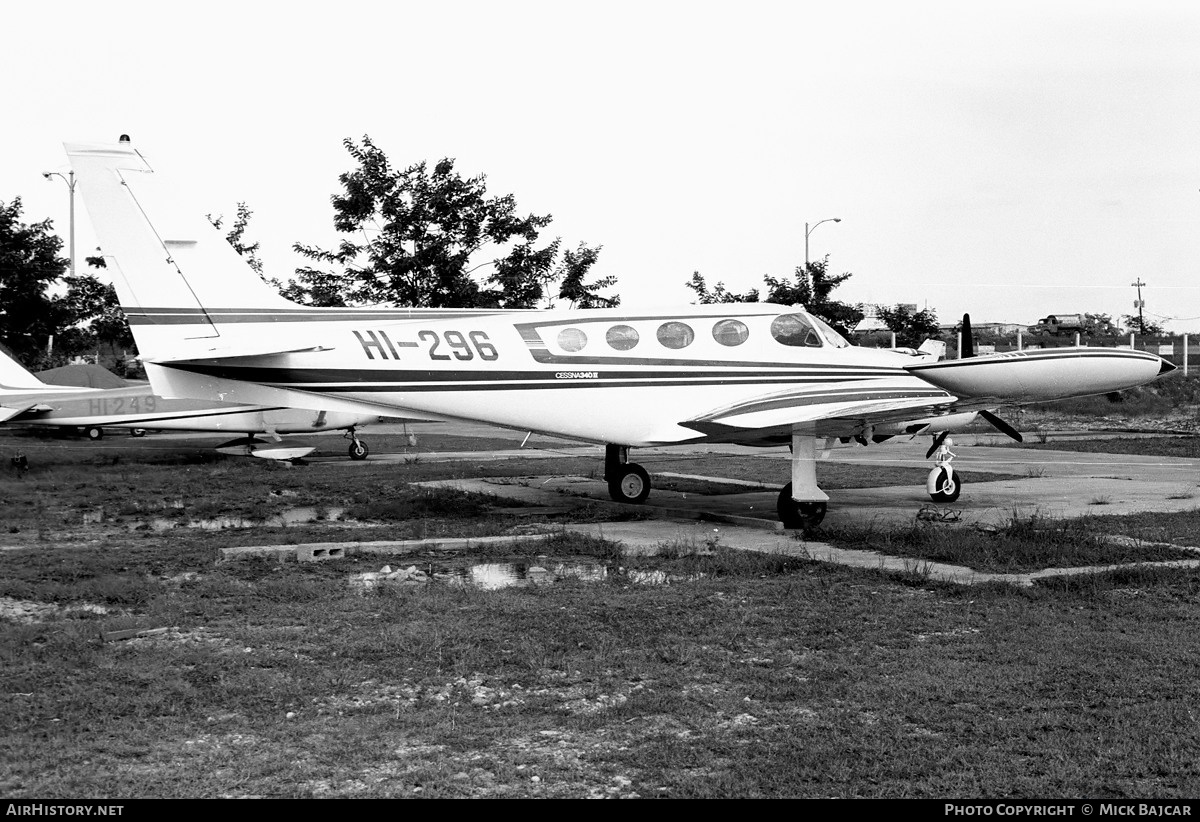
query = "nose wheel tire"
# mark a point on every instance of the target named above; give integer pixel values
(94, 433)
(359, 450)
(631, 484)
(949, 487)
(795, 514)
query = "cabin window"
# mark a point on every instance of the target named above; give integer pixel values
(676, 335)
(730, 332)
(622, 337)
(571, 340)
(796, 330)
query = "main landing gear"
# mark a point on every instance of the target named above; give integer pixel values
(627, 481)
(796, 514)
(802, 504)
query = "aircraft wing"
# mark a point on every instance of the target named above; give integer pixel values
(884, 401)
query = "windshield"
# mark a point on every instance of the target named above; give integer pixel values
(835, 339)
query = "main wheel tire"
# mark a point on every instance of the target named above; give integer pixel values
(137, 432)
(630, 485)
(949, 487)
(93, 433)
(794, 514)
(359, 450)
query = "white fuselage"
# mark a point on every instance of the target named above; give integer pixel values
(635, 378)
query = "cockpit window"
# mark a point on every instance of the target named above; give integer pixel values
(796, 330)
(831, 336)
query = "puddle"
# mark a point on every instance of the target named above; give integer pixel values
(292, 516)
(492, 576)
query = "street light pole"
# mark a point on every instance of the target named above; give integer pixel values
(69, 179)
(808, 231)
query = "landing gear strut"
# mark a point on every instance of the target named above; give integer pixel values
(802, 503)
(627, 481)
(943, 484)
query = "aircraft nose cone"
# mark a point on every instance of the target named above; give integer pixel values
(1166, 368)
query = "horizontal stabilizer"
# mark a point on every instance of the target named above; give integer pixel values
(241, 355)
(175, 383)
(7, 412)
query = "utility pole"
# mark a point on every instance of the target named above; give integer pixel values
(1139, 304)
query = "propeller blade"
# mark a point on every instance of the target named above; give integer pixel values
(968, 340)
(1002, 426)
(938, 439)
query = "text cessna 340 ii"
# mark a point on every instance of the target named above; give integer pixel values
(208, 327)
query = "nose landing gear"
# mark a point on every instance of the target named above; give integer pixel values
(358, 448)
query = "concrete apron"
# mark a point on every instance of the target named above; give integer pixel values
(1068, 488)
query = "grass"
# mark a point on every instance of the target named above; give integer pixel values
(1024, 544)
(1181, 446)
(763, 681)
(741, 675)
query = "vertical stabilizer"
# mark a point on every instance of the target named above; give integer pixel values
(170, 266)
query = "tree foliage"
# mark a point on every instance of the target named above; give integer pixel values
(811, 288)
(40, 302)
(1100, 325)
(910, 327)
(413, 237)
(719, 293)
(1144, 325)
(236, 236)
(570, 273)
(30, 263)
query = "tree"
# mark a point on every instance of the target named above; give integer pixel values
(414, 236)
(1143, 326)
(93, 315)
(1100, 325)
(812, 289)
(911, 327)
(719, 294)
(237, 234)
(571, 272)
(29, 265)
(84, 317)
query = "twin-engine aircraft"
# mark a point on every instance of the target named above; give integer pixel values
(208, 327)
(27, 401)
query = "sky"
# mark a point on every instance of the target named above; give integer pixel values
(1010, 160)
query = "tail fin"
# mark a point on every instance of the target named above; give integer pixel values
(14, 376)
(170, 268)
